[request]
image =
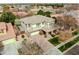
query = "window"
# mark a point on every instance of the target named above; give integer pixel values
(34, 26)
(29, 25)
(42, 25)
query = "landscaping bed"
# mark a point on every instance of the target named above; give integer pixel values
(75, 32)
(69, 44)
(54, 40)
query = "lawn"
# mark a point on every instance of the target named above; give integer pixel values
(75, 32)
(54, 40)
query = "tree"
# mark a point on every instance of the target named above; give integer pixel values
(23, 36)
(40, 12)
(47, 13)
(24, 39)
(8, 17)
(5, 8)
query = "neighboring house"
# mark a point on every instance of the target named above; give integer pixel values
(8, 38)
(6, 31)
(35, 9)
(20, 14)
(75, 14)
(2, 29)
(72, 6)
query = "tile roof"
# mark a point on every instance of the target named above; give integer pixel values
(2, 25)
(20, 14)
(10, 31)
(36, 19)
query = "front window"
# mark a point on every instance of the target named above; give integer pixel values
(34, 26)
(42, 24)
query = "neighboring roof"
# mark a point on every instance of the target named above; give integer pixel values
(10, 31)
(20, 14)
(36, 19)
(56, 15)
(2, 26)
(13, 10)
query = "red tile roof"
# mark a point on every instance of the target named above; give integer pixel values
(2, 25)
(20, 14)
(10, 31)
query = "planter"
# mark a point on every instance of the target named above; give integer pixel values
(68, 45)
(54, 41)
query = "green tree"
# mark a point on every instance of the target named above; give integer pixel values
(47, 13)
(40, 12)
(8, 17)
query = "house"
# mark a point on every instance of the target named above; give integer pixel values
(6, 33)
(35, 9)
(7, 38)
(75, 14)
(2, 28)
(21, 14)
(35, 23)
(32, 26)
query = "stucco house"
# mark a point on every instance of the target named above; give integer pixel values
(7, 38)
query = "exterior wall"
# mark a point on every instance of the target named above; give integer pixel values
(23, 26)
(31, 28)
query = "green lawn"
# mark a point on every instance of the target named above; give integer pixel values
(54, 40)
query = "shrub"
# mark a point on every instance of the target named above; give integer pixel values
(75, 32)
